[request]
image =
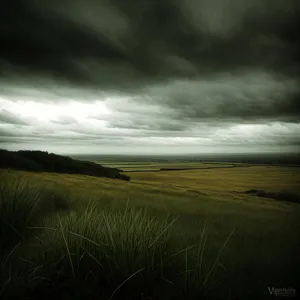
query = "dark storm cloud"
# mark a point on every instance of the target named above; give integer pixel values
(254, 97)
(167, 72)
(7, 117)
(128, 44)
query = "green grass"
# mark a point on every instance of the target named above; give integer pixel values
(107, 238)
(23, 203)
(110, 250)
(96, 250)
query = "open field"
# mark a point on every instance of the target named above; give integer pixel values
(155, 166)
(225, 180)
(263, 249)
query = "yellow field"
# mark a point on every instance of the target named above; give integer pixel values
(176, 188)
(221, 179)
(146, 166)
(224, 180)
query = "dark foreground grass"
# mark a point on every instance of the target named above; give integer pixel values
(23, 203)
(123, 253)
(199, 248)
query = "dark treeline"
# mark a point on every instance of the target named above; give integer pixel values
(42, 161)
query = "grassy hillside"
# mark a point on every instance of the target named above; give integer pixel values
(40, 161)
(94, 241)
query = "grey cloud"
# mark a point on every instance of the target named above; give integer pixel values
(7, 117)
(59, 140)
(232, 99)
(202, 138)
(64, 120)
(149, 124)
(6, 133)
(148, 116)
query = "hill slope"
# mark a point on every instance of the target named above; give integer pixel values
(41, 161)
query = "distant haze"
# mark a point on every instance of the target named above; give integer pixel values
(150, 77)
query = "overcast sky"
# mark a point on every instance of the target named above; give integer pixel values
(150, 76)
